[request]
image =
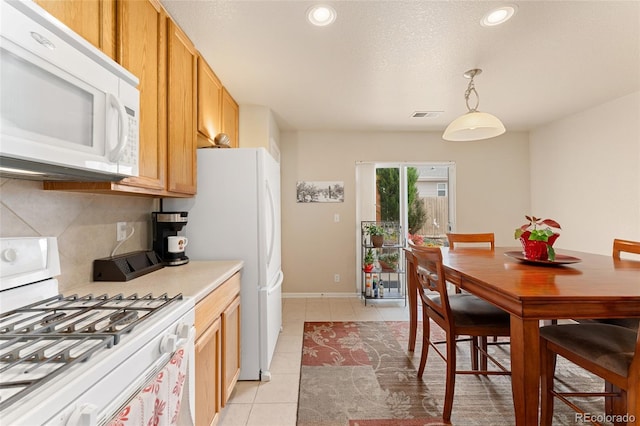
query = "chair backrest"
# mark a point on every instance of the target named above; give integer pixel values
(487, 237)
(625, 246)
(429, 273)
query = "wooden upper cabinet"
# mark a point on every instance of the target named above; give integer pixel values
(181, 149)
(209, 104)
(230, 117)
(94, 20)
(142, 49)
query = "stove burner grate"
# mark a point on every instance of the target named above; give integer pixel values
(59, 332)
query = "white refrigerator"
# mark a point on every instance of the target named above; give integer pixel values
(236, 215)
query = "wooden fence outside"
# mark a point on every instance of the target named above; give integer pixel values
(437, 213)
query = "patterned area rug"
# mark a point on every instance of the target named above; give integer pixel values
(360, 374)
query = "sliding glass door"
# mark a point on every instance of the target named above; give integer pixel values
(420, 196)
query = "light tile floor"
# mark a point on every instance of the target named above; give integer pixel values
(274, 403)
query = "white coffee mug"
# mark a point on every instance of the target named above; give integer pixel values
(176, 244)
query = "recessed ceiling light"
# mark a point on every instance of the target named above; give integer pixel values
(321, 15)
(498, 16)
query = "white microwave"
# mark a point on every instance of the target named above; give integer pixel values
(67, 110)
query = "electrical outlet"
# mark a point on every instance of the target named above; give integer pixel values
(336, 278)
(121, 231)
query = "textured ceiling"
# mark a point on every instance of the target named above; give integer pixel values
(382, 60)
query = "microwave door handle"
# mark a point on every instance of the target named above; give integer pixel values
(115, 155)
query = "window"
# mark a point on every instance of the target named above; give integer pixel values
(441, 189)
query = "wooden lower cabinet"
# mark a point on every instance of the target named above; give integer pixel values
(217, 354)
(230, 348)
(208, 350)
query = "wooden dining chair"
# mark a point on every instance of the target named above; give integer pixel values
(609, 351)
(457, 314)
(619, 247)
(475, 239)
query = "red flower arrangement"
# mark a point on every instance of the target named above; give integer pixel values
(538, 243)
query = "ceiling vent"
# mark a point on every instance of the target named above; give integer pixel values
(426, 114)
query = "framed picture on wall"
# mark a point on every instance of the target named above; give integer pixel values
(319, 191)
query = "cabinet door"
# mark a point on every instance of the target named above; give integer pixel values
(230, 117)
(142, 49)
(94, 20)
(209, 101)
(230, 348)
(181, 149)
(208, 350)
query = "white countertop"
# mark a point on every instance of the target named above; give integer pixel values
(196, 279)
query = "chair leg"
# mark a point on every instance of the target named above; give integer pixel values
(426, 338)
(608, 402)
(633, 397)
(474, 352)
(483, 358)
(451, 379)
(547, 371)
(619, 405)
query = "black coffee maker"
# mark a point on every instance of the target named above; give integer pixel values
(167, 244)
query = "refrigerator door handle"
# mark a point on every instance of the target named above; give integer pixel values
(277, 285)
(272, 237)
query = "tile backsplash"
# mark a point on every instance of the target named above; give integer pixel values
(85, 224)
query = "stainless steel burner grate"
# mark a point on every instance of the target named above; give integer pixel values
(41, 340)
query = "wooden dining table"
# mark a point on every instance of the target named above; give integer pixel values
(596, 286)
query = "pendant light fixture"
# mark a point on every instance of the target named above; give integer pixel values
(474, 125)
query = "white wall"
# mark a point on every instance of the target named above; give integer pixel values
(258, 128)
(492, 195)
(585, 173)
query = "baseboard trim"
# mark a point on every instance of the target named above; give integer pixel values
(319, 295)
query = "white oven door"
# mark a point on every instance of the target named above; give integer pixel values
(166, 399)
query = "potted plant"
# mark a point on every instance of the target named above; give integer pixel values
(390, 237)
(537, 238)
(369, 260)
(421, 240)
(376, 233)
(389, 261)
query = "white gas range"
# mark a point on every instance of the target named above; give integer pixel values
(88, 359)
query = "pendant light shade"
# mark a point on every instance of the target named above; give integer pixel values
(474, 125)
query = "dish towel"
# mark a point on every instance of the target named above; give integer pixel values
(159, 403)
